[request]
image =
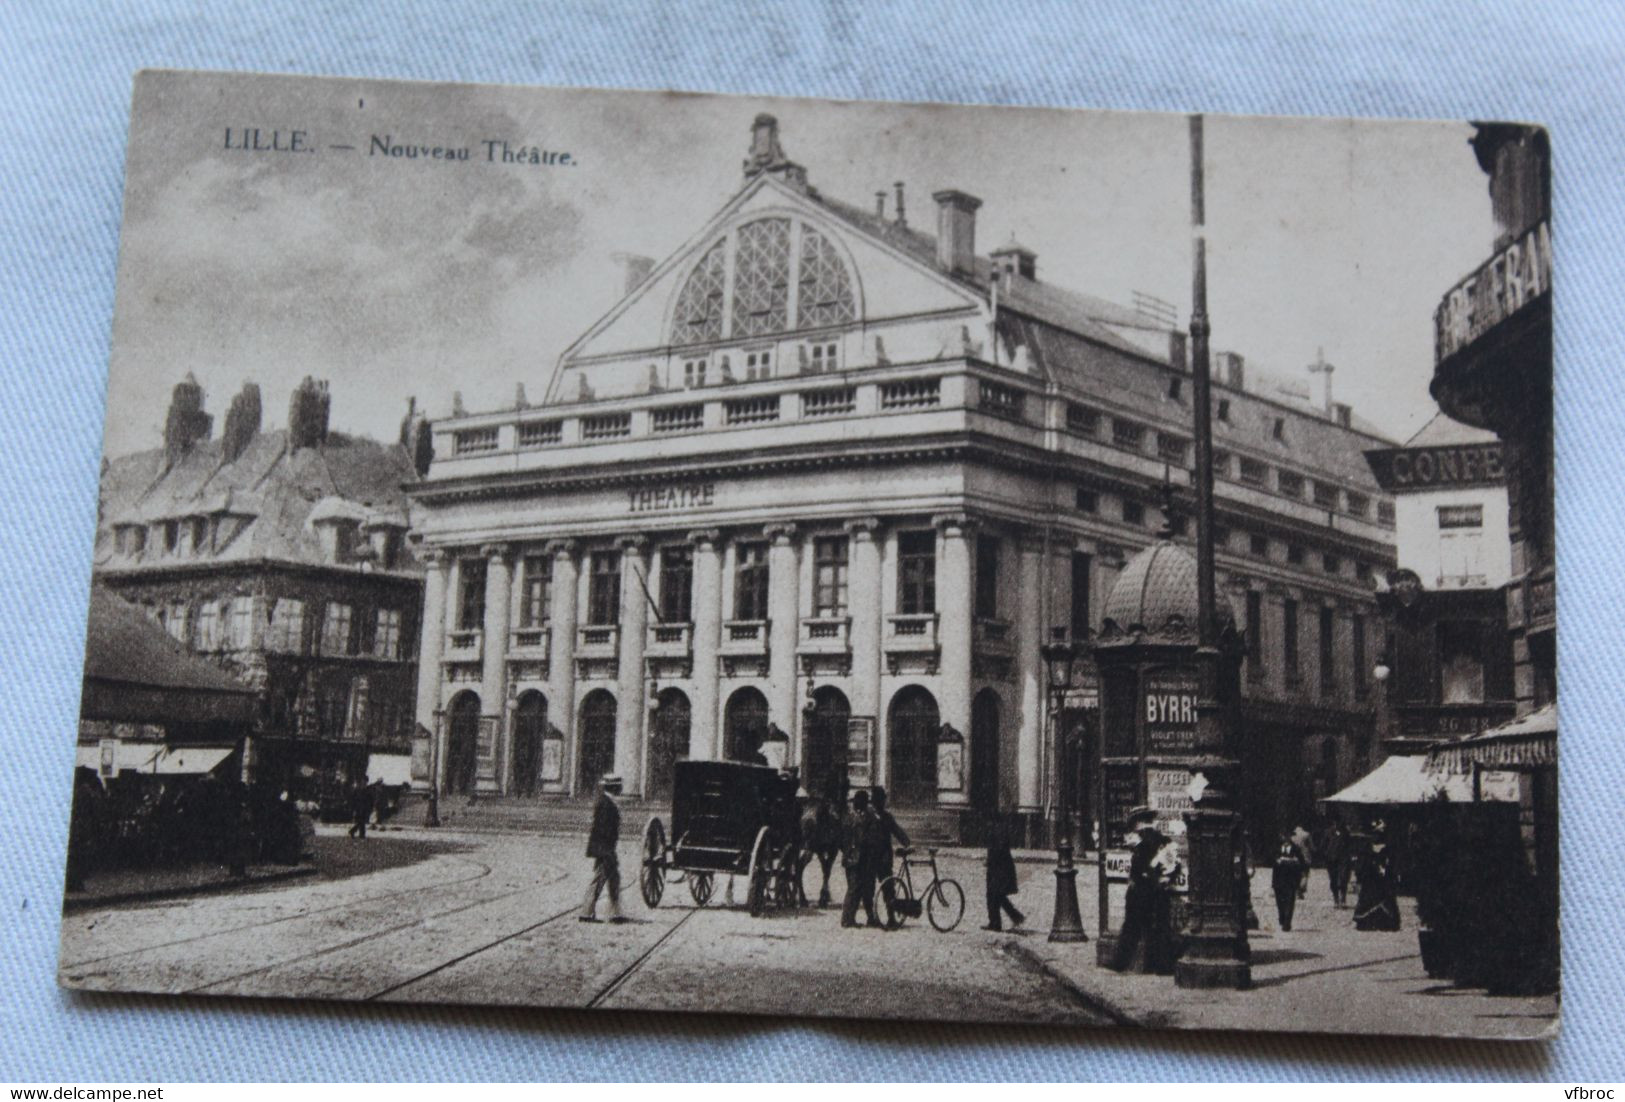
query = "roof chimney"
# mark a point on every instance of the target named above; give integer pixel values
(1343, 414)
(1235, 370)
(242, 421)
(956, 230)
(635, 269)
(880, 205)
(902, 219)
(186, 423)
(307, 414)
(1320, 381)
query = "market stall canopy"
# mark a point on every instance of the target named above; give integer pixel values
(163, 760)
(136, 673)
(1404, 780)
(1526, 742)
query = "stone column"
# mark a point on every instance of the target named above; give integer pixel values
(954, 596)
(491, 771)
(863, 587)
(630, 717)
(431, 641)
(705, 741)
(783, 612)
(1029, 668)
(561, 658)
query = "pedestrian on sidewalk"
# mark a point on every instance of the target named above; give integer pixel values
(858, 844)
(1304, 841)
(1287, 876)
(602, 843)
(1145, 942)
(885, 856)
(361, 802)
(1377, 907)
(1335, 852)
(1001, 879)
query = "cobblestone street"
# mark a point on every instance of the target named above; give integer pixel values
(490, 918)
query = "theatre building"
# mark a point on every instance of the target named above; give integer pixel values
(816, 488)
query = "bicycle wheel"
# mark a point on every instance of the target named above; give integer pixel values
(892, 892)
(945, 904)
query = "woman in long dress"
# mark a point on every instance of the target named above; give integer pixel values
(1377, 908)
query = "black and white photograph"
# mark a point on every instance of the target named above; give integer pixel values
(722, 554)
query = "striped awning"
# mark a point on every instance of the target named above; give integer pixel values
(1530, 741)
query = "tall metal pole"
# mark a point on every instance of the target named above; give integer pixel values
(1215, 938)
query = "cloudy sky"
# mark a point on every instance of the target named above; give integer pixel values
(393, 277)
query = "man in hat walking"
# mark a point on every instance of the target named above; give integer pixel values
(601, 847)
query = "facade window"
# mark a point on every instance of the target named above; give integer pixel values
(1253, 472)
(1278, 430)
(676, 584)
(1360, 683)
(287, 634)
(751, 582)
(1171, 448)
(172, 536)
(700, 303)
(829, 575)
(1362, 570)
(677, 418)
(336, 628)
(824, 291)
(206, 633)
(1328, 652)
(1221, 464)
(1255, 633)
(1259, 546)
(1294, 554)
(1325, 495)
(604, 588)
(1176, 387)
(1385, 512)
(1289, 484)
(987, 577)
(1080, 418)
(1126, 434)
(1359, 505)
(822, 356)
(1461, 662)
(1133, 512)
(539, 434)
(759, 364)
(828, 402)
(474, 441)
(1179, 524)
(1289, 639)
(1330, 563)
(1088, 501)
(761, 288)
(470, 595)
(1223, 412)
(240, 631)
(1221, 538)
(1081, 623)
(175, 622)
(916, 572)
(536, 591)
(200, 534)
(606, 426)
(694, 373)
(1000, 400)
(386, 635)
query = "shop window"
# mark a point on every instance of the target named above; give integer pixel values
(1461, 662)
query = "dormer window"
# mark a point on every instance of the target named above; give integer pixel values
(694, 373)
(822, 356)
(172, 536)
(198, 528)
(759, 364)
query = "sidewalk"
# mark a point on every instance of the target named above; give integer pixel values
(1323, 976)
(114, 887)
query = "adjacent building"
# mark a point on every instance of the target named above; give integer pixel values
(816, 488)
(281, 556)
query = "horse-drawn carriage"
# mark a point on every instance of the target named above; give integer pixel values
(727, 819)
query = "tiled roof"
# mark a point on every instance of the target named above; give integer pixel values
(272, 487)
(123, 645)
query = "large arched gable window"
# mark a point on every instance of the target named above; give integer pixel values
(786, 275)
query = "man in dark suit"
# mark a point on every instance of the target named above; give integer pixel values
(601, 847)
(858, 843)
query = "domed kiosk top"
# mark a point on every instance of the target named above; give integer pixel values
(1155, 599)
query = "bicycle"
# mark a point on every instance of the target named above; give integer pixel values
(943, 901)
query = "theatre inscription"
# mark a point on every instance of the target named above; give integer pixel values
(665, 499)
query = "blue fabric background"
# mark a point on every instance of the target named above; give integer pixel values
(65, 78)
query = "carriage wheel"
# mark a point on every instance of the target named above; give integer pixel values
(700, 885)
(945, 904)
(757, 876)
(892, 891)
(651, 877)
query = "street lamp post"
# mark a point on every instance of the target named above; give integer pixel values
(1059, 654)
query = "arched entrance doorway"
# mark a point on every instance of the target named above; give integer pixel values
(668, 741)
(462, 742)
(984, 752)
(912, 728)
(529, 728)
(746, 726)
(824, 733)
(597, 747)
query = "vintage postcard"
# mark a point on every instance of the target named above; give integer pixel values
(666, 551)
